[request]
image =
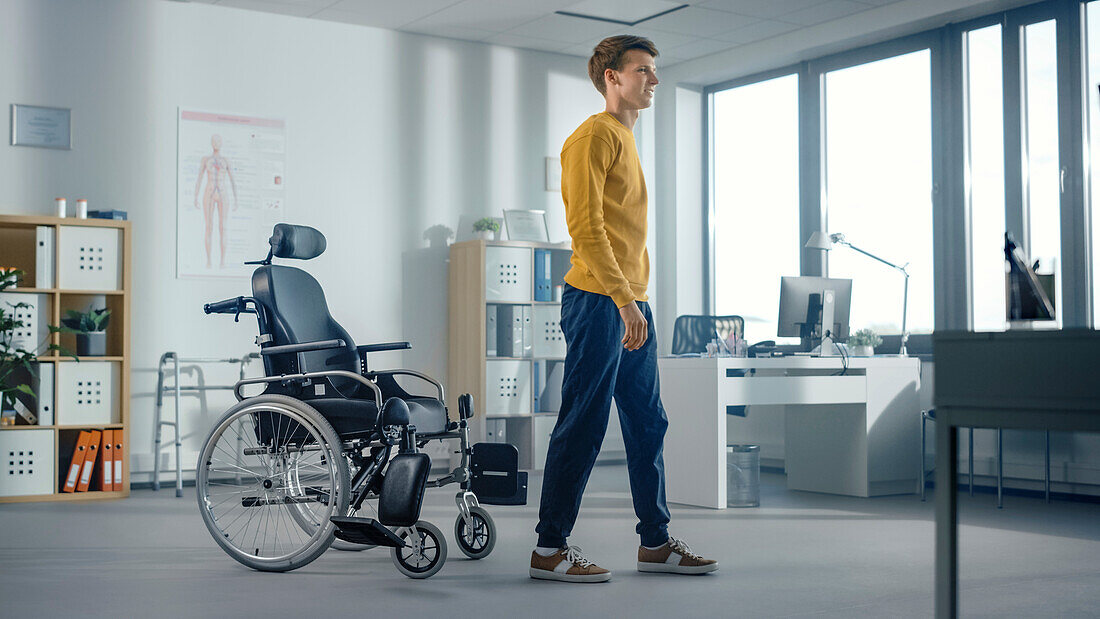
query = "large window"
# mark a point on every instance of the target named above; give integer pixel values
(1042, 174)
(878, 187)
(1093, 86)
(755, 197)
(986, 177)
(923, 151)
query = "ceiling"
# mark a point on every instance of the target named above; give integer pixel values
(699, 29)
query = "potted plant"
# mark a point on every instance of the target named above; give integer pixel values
(16, 363)
(862, 343)
(486, 228)
(90, 328)
(438, 235)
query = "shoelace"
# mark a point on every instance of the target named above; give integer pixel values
(682, 548)
(574, 556)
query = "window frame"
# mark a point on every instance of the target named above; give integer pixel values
(951, 213)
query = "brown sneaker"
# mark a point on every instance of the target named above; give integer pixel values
(567, 565)
(674, 558)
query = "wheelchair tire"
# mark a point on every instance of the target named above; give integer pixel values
(270, 475)
(484, 534)
(429, 559)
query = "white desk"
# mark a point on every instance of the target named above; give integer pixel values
(856, 434)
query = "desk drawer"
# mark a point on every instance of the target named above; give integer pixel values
(793, 390)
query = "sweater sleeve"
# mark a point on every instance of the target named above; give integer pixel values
(585, 164)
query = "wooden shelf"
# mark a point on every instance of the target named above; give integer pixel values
(468, 309)
(67, 291)
(18, 247)
(90, 426)
(71, 291)
(90, 495)
(33, 290)
(49, 358)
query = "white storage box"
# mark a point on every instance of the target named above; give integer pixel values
(549, 341)
(35, 318)
(87, 393)
(507, 387)
(89, 258)
(544, 427)
(508, 274)
(26, 462)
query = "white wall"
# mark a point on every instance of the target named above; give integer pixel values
(388, 134)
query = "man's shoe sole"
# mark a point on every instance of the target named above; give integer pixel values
(549, 575)
(665, 568)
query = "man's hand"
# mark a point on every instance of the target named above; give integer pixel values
(637, 329)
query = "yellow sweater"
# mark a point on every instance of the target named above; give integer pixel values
(605, 208)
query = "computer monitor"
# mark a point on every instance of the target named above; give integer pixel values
(1027, 300)
(804, 300)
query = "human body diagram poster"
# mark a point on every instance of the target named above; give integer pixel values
(230, 184)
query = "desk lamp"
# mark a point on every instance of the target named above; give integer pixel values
(825, 242)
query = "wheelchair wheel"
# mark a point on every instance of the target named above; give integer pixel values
(269, 477)
(478, 543)
(425, 553)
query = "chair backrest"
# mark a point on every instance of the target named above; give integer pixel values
(297, 313)
(692, 333)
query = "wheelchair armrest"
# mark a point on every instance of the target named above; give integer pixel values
(421, 376)
(302, 347)
(383, 346)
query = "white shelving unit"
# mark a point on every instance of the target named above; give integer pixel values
(516, 382)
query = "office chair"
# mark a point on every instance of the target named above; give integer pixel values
(692, 333)
(930, 415)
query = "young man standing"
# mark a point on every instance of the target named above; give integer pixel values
(605, 296)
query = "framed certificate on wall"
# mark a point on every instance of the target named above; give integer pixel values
(44, 127)
(526, 226)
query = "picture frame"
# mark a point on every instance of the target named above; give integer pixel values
(526, 226)
(41, 127)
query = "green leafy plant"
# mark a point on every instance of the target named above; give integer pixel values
(14, 358)
(486, 224)
(92, 321)
(864, 337)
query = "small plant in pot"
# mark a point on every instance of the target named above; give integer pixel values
(486, 228)
(862, 343)
(90, 328)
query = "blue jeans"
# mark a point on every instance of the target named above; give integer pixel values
(597, 367)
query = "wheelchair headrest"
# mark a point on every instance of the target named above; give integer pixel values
(299, 242)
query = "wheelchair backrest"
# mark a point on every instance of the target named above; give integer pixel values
(297, 313)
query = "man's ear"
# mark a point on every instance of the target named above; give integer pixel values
(609, 76)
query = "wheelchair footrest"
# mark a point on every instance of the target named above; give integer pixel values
(494, 474)
(365, 531)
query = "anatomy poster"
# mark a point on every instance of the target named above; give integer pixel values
(231, 190)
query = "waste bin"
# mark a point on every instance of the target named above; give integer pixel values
(742, 475)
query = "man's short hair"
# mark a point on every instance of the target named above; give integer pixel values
(609, 55)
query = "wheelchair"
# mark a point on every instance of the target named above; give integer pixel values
(283, 474)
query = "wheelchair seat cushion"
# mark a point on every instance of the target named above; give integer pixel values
(428, 415)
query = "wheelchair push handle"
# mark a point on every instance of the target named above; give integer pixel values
(236, 306)
(228, 306)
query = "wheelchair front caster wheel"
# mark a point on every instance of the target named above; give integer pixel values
(424, 553)
(478, 543)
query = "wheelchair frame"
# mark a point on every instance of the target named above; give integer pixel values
(367, 470)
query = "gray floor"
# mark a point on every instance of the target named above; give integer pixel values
(800, 554)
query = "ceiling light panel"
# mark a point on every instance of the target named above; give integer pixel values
(620, 11)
